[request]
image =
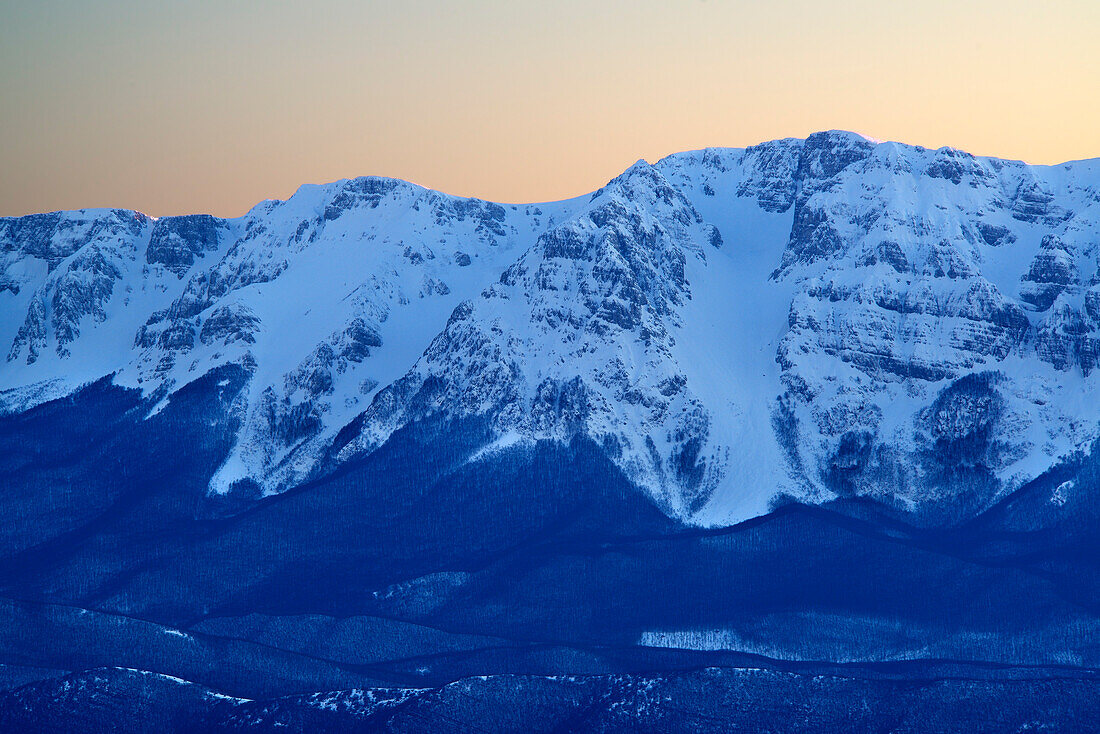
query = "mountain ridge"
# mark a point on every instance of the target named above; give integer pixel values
(881, 274)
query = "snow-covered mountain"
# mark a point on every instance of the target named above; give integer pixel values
(811, 318)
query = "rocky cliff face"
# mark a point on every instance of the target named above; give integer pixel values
(575, 337)
(85, 255)
(917, 270)
(817, 318)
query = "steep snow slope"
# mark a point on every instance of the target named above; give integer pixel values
(816, 318)
(731, 331)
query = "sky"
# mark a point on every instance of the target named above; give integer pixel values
(173, 107)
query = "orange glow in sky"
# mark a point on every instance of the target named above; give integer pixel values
(211, 106)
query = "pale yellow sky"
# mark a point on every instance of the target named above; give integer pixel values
(177, 107)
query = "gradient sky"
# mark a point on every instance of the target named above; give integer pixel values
(177, 107)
